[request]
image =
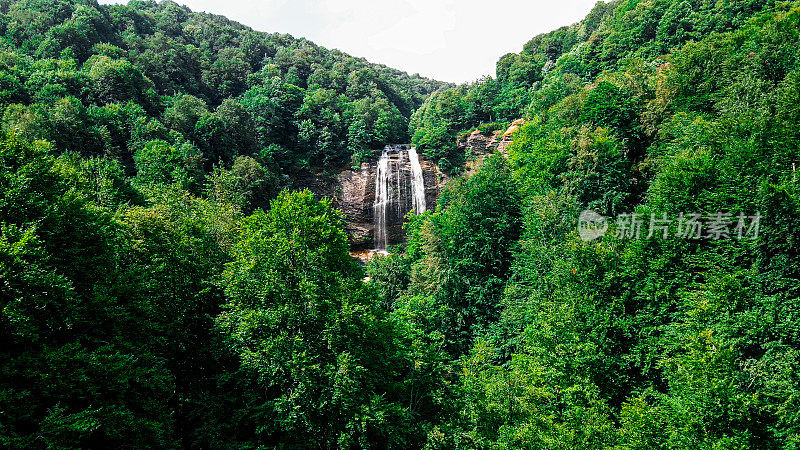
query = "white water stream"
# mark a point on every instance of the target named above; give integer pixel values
(390, 191)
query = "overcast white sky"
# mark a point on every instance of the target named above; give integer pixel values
(447, 40)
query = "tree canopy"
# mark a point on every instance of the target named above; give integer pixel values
(167, 282)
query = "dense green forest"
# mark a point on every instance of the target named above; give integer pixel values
(171, 94)
(166, 282)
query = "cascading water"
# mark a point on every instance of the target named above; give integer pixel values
(381, 201)
(399, 188)
(417, 181)
(398, 175)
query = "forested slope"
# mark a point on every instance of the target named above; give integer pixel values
(135, 297)
(154, 81)
(160, 289)
(678, 122)
(613, 35)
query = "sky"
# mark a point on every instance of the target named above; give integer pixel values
(448, 40)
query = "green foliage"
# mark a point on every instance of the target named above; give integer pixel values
(434, 124)
(163, 163)
(644, 107)
(247, 185)
(157, 291)
(67, 325)
(117, 327)
(391, 275)
(117, 81)
(468, 263)
(228, 90)
(308, 329)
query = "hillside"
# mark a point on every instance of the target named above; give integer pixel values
(613, 35)
(119, 80)
(623, 275)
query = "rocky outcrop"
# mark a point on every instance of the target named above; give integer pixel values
(353, 193)
(476, 144)
(506, 137)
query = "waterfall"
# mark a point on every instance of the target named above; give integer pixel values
(381, 236)
(399, 188)
(417, 182)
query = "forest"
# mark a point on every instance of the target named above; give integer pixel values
(169, 280)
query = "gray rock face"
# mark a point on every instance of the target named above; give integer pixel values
(354, 194)
(478, 145)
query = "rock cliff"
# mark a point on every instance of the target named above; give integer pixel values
(353, 192)
(477, 145)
